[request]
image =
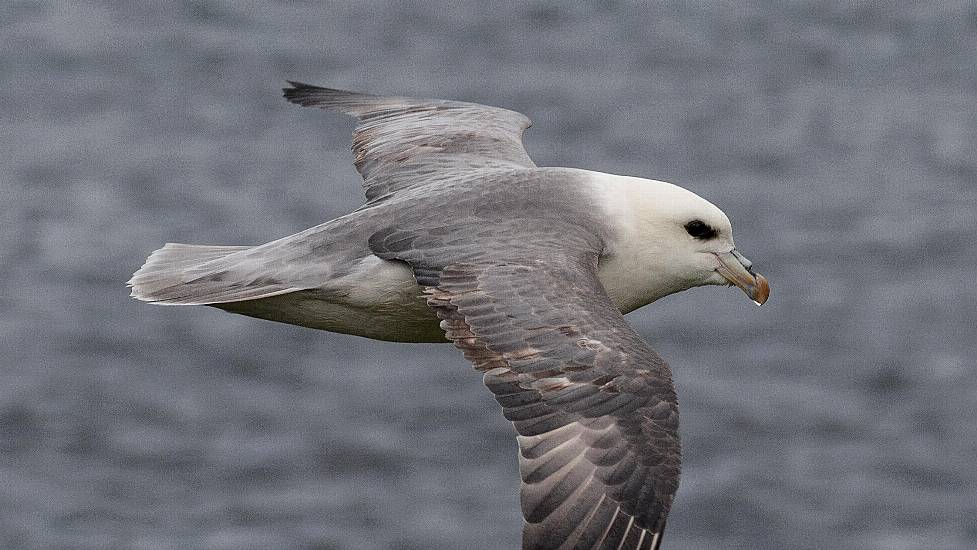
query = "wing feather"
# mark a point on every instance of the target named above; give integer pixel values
(592, 404)
(402, 142)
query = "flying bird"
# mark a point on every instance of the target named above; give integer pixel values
(527, 269)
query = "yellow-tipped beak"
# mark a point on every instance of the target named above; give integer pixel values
(739, 271)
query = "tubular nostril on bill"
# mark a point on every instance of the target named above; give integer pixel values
(742, 259)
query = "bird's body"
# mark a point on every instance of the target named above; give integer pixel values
(526, 269)
(339, 285)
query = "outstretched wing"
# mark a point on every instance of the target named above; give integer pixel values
(401, 142)
(593, 405)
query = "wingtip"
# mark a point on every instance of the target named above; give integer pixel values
(297, 88)
(309, 95)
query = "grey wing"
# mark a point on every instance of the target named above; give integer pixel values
(401, 142)
(593, 405)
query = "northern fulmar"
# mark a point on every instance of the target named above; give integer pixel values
(528, 270)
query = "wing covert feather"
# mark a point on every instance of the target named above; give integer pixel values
(593, 406)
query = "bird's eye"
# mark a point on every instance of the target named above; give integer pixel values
(700, 230)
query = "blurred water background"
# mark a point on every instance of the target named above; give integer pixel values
(840, 137)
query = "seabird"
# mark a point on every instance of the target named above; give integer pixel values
(527, 269)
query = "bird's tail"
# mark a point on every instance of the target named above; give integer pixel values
(189, 274)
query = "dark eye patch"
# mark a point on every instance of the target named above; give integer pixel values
(700, 230)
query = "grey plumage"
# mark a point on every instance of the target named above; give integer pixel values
(402, 142)
(593, 405)
(506, 257)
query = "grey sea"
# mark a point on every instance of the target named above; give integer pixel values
(839, 136)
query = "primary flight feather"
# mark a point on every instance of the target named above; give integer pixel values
(528, 270)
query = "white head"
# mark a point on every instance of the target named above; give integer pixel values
(669, 239)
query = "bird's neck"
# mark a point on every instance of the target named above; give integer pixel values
(634, 266)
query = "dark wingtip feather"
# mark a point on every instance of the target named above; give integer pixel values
(308, 95)
(657, 540)
(299, 91)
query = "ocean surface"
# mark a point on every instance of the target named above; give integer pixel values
(839, 137)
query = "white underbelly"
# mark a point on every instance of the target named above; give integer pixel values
(378, 299)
